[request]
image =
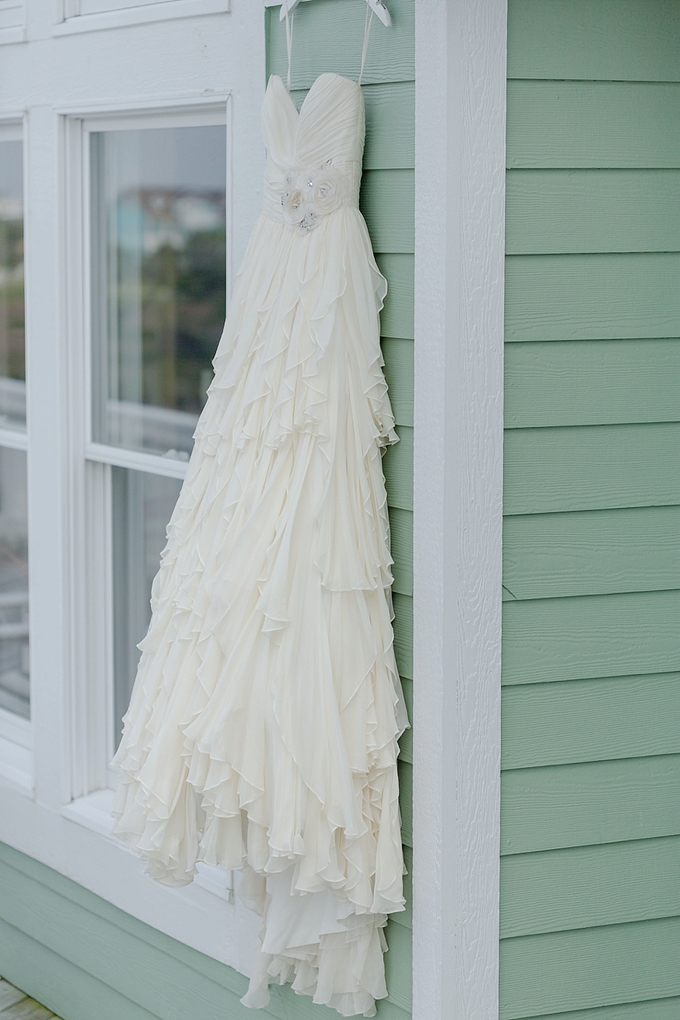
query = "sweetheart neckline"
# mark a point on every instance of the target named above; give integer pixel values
(325, 74)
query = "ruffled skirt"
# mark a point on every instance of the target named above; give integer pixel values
(262, 730)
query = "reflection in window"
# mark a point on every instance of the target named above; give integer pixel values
(159, 244)
(12, 364)
(14, 683)
(142, 505)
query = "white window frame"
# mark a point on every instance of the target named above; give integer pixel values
(92, 780)
(70, 21)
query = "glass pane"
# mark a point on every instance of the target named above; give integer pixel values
(12, 326)
(14, 685)
(159, 237)
(142, 505)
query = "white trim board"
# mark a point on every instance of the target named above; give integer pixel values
(460, 188)
(137, 15)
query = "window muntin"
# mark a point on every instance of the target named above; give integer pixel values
(158, 241)
(141, 505)
(12, 315)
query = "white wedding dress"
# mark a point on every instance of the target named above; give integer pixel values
(262, 730)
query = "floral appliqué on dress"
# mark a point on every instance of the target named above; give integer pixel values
(309, 194)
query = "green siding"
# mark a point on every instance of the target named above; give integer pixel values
(591, 636)
(551, 211)
(611, 40)
(591, 382)
(593, 297)
(589, 886)
(590, 967)
(78, 954)
(590, 816)
(591, 720)
(572, 124)
(584, 468)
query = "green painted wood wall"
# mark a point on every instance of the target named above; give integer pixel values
(79, 955)
(590, 828)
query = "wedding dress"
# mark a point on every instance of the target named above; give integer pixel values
(262, 730)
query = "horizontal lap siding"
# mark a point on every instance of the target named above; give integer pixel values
(328, 37)
(590, 867)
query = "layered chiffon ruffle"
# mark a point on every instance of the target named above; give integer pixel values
(262, 730)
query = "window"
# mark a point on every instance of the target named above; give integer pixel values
(157, 280)
(14, 659)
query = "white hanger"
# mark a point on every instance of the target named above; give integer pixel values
(377, 6)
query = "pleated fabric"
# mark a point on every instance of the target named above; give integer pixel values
(262, 730)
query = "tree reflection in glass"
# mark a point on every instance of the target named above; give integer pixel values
(12, 319)
(14, 665)
(159, 282)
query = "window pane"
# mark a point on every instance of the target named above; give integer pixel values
(14, 685)
(159, 236)
(12, 363)
(142, 505)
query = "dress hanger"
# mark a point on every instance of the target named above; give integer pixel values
(377, 6)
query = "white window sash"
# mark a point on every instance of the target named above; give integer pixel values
(89, 514)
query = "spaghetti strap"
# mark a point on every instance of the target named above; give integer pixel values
(290, 22)
(367, 32)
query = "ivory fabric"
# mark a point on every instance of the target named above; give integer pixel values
(262, 730)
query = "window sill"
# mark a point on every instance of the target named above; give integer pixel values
(168, 11)
(94, 813)
(16, 766)
(12, 34)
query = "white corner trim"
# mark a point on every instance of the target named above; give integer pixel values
(460, 187)
(144, 14)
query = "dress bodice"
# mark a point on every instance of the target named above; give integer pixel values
(314, 156)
